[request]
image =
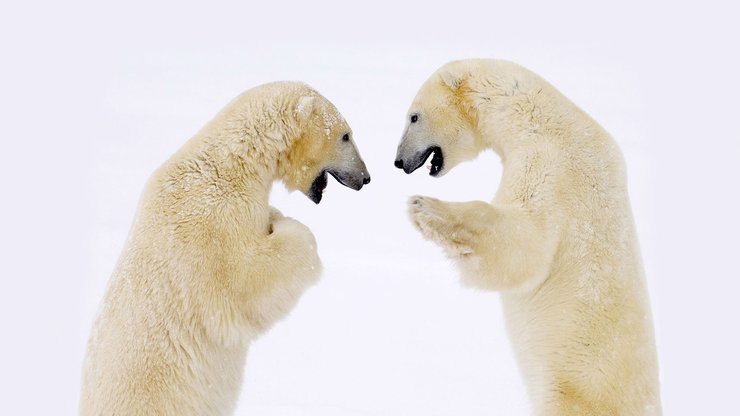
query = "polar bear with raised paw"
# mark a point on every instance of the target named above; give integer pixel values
(209, 265)
(558, 240)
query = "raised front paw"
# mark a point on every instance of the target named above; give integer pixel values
(428, 215)
(275, 216)
(438, 221)
(293, 248)
(293, 232)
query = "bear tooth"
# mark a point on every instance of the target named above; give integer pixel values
(429, 167)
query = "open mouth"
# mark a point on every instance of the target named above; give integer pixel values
(420, 158)
(317, 188)
(438, 161)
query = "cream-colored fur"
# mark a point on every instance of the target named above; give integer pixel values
(209, 265)
(558, 239)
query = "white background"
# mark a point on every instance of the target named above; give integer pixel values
(95, 97)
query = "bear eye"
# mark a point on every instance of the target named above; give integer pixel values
(414, 118)
(345, 137)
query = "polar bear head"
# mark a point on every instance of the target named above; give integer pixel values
(445, 118)
(324, 146)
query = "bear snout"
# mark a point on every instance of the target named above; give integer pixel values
(352, 180)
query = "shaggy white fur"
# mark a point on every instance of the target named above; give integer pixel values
(209, 265)
(558, 239)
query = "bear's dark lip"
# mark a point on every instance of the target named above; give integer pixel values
(344, 179)
(317, 187)
(421, 158)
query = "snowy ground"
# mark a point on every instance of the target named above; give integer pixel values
(97, 98)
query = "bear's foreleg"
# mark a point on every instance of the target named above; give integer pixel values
(496, 248)
(283, 265)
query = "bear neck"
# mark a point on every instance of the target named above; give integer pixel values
(530, 118)
(226, 171)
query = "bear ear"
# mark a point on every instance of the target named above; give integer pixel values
(304, 107)
(453, 78)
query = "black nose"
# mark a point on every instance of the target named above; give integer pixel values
(366, 180)
(399, 163)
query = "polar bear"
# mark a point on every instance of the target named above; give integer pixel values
(208, 264)
(558, 239)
